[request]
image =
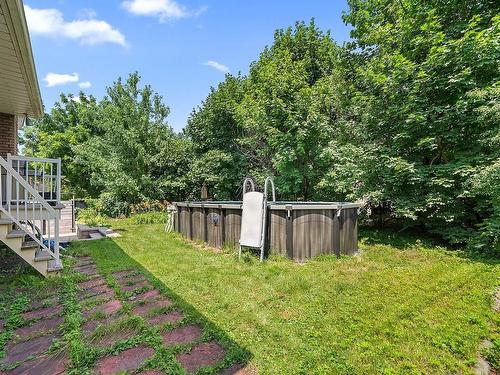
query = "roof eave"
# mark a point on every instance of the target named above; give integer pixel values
(22, 44)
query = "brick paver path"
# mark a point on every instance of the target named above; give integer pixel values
(109, 315)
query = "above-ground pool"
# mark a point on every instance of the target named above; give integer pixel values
(299, 230)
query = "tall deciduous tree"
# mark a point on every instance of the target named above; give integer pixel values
(134, 133)
(71, 122)
(430, 69)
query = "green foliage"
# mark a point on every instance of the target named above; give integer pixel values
(275, 121)
(91, 217)
(147, 206)
(404, 117)
(151, 217)
(137, 156)
(214, 130)
(121, 145)
(427, 107)
(71, 122)
(492, 354)
(110, 205)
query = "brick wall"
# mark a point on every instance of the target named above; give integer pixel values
(8, 135)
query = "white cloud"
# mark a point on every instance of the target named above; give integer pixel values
(54, 79)
(163, 9)
(85, 84)
(218, 66)
(50, 22)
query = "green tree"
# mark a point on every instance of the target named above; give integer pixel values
(120, 148)
(287, 113)
(136, 156)
(428, 70)
(277, 121)
(71, 122)
(220, 163)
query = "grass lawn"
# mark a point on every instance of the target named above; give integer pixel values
(399, 307)
(402, 306)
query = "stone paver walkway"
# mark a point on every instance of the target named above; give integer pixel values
(110, 313)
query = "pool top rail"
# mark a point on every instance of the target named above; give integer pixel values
(278, 205)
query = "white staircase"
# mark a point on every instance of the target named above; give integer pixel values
(30, 210)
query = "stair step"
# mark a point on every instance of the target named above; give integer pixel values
(29, 245)
(5, 221)
(43, 256)
(96, 236)
(16, 234)
(52, 266)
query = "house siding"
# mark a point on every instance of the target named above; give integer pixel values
(8, 135)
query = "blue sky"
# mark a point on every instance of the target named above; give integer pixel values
(180, 47)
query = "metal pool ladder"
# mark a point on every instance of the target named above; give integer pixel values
(253, 216)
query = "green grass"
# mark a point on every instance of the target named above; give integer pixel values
(402, 306)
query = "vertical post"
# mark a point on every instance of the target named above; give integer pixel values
(51, 190)
(355, 231)
(222, 226)
(73, 214)
(56, 241)
(336, 231)
(58, 182)
(190, 210)
(8, 193)
(17, 191)
(177, 219)
(289, 231)
(205, 224)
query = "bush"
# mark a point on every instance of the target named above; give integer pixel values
(91, 217)
(147, 206)
(111, 206)
(152, 217)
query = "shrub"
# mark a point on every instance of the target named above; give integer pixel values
(111, 206)
(147, 206)
(91, 217)
(152, 217)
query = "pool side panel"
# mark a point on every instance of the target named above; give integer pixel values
(232, 227)
(277, 232)
(349, 232)
(299, 231)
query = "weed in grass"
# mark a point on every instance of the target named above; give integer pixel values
(13, 321)
(492, 354)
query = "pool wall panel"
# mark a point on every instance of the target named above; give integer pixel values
(232, 227)
(297, 233)
(277, 232)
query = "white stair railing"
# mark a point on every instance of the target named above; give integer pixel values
(23, 204)
(43, 174)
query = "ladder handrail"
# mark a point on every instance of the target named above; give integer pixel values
(245, 182)
(264, 215)
(268, 180)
